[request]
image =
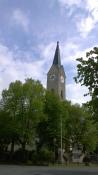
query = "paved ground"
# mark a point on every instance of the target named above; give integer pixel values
(30, 170)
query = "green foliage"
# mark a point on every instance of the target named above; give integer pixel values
(87, 75)
(79, 129)
(24, 103)
(45, 155)
(29, 115)
(7, 130)
(49, 128)
(90, 136)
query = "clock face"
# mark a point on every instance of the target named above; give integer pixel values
(52, 77)
(62, 79)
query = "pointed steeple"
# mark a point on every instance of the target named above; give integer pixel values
(57, 60)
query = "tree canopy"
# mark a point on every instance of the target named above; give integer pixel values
(32, 116)
(87, 75)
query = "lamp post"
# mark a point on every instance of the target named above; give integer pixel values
(61, 156)
(54, 141)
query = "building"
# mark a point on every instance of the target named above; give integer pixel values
(56, 76)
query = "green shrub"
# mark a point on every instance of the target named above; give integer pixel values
(46, 155)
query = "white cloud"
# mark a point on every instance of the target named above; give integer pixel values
(47, 51)
(69, 51)
(70, 5)
(91, 4)
(21, 19)
(85, 25)
(75, 93)
(12, 69)
(70, 2)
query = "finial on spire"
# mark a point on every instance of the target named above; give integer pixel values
(57, 42)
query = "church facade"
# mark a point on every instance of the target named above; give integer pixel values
(56, 78)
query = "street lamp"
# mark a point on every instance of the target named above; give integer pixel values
(61, 155)
(54, 141)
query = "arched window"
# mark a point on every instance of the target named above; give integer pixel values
(61, 94)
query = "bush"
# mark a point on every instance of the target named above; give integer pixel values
(43, 157)
(46, 155)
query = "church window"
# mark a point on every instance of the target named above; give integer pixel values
(61, 94)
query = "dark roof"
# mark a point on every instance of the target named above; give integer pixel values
(57, 60)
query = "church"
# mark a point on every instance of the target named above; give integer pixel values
(56, 78)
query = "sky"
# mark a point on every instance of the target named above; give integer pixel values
(29, 31)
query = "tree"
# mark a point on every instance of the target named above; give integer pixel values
(10, 101)
(31, 110)
(80, 129)
(87, 75)
(24, 103)
(49, 128)
(7, 130)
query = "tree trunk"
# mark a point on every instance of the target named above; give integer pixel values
(24, 153)
(12, 150)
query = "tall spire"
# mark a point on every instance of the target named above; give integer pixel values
(57, 60)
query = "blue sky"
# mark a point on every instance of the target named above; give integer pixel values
(29, 30)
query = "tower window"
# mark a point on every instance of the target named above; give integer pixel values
(61, 94)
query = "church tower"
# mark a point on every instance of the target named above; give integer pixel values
(56, 76)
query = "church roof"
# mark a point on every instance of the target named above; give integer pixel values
(57, 60)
